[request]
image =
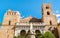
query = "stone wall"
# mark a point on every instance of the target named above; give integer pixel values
(6, 31)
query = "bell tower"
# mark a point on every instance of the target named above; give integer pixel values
(47, 15)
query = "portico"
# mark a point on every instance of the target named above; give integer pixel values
(26, 27)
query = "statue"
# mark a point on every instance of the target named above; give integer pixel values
(31, 31)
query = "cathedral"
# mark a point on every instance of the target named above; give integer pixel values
(13, 25)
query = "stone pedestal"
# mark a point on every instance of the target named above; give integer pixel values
(31, 36)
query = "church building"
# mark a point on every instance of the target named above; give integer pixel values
(13, 25)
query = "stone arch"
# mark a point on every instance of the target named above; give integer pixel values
(28, 32)
(23, 32)
(55, 32)
(37, 32)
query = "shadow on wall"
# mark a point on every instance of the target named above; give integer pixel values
(55, 32)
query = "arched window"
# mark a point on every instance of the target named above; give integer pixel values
(48, 13)
(23, 32)
(9, 22)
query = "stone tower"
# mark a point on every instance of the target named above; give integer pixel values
(47, 16)
(10, 17)
(8, 24)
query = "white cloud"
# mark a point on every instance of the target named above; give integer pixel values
(18, 12)
(57, 15)
(21, 16)
(58, 21)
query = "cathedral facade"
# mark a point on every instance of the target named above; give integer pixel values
(13, 25)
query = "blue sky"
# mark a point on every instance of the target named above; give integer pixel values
(27, 7)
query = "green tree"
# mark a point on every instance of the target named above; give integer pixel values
(49, 35)
(39, 35)
(15, 37)
(45, 35)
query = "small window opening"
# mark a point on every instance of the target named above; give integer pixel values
(47, 7)
(50, 23)
(9, 22)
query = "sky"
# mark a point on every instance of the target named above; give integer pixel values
(28, 7)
